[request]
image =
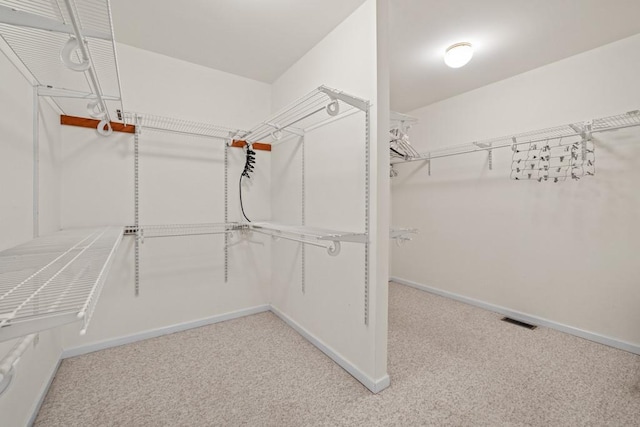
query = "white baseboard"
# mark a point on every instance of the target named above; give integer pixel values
(43, 393)
(153, 333)
(375, 386)
(523, 317)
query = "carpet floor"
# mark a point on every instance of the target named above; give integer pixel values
(450, 364)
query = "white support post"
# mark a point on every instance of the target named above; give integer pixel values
(36, 163)
(304, 219)
(226, 208)
(136, 203)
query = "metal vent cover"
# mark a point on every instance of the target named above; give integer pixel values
(518, 323)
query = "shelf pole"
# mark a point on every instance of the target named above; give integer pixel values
(303, 209)
(226, 209)
(367, 191)
(36, 163)
(136, 202)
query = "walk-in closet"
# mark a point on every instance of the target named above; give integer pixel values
(343, 212)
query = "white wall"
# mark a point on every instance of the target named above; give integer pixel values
(332, 307)
(181, 182)
(565, 252)
(16, 222)
(87, 180)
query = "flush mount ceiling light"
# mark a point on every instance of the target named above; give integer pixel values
(458, 55)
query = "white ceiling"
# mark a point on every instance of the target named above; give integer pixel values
(259, 39)
(509, 36)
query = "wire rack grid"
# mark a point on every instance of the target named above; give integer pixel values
(620, 121)
(36, 32)
(312, 110)
(604, 124)
(174, 230)
(54, 280)
(180, 126)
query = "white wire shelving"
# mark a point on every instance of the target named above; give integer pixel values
(621, 121)
(399, 143)
(67, 48)
(321, 107)
(54, 280)
(176, 230)
(402, 235)
(581, 130)
(320, 237)
(324, 238)
(401, 121)
(307, 113)
(182, 127)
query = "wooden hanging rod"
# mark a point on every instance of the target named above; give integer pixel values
(256, 145)
(119, 127)
(93, 124)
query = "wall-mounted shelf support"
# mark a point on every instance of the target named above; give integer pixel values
(402, 235)
(486, 146)
(401, 121)
(334, 94)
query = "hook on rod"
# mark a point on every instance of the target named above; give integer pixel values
(333, 108)
(334, 248)
(104, 127)
(66, 55)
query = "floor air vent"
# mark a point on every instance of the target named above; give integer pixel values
(519, 323)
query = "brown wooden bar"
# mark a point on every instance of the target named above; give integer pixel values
(256, 145)
(93, 124)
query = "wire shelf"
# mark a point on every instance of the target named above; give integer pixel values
(632, 118)
(605, 124)
(180, 126)
(324, 238)
(401, 234)
(38, 31)
(306, 113)
(401, 121)
(174, 230)
(55, 280)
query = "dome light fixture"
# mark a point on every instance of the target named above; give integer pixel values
(458, 55)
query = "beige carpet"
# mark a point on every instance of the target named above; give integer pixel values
(450, 364)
